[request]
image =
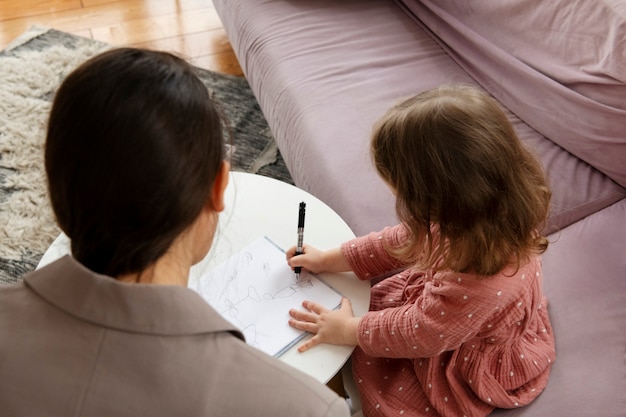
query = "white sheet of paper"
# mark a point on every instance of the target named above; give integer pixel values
(255, 289)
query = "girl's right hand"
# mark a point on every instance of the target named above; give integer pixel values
(316, 261)
(311, 259)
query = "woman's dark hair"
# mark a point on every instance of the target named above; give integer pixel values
(454, 160)
(134, 144)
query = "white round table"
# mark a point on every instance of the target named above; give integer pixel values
(258, 206)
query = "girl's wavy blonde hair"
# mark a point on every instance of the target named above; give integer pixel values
(453, 160)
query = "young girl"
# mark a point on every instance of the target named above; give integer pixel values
(460, 326)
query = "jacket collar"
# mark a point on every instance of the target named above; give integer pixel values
(139, 308)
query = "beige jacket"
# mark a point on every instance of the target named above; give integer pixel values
(74, 343)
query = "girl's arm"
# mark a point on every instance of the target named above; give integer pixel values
(318, 261)
(366, 256)
(409, 331)
(446, 313)
(369, 257)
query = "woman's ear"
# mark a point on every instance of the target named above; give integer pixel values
(219, 187)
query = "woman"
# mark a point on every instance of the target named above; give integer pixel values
(136, 173)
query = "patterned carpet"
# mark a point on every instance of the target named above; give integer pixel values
(31, 69)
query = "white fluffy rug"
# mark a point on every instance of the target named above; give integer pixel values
(29, 79)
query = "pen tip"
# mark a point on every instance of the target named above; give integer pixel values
(297, 276)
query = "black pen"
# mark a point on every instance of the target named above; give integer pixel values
(299, 248)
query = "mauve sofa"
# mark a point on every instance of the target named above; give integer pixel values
(325, 70)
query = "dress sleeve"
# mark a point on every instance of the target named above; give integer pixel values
(368, 256)
(442, 316)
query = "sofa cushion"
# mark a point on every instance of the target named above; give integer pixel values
(558, 65)
(325, 70)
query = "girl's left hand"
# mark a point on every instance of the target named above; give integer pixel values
(337, 327)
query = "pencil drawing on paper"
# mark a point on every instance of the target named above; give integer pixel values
(290, 289)
(231, 306)
(255, 289)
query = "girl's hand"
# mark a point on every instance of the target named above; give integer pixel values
(337, 327)
(316, 261)
(311, 259)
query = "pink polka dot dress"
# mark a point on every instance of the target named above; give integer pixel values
(446, 343)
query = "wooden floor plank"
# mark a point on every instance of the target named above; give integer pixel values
(191, 45)
(12, 9)
(152, 28)
(224, 63)
(102, 15)
(189, 28)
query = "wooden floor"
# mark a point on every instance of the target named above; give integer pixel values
(190, 28)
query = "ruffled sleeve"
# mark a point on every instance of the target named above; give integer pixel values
(368, 255)
(448, 310)
(442, 317)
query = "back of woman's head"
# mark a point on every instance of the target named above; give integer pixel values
(454, 160)
(133, 146)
